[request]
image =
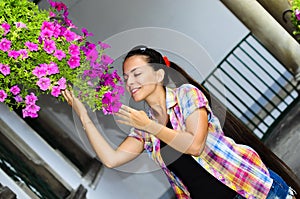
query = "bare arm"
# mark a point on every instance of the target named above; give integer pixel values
(190, 141)
(129, 149)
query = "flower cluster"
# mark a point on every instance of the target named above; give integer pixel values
(295, 18)
(41, 54)
(97, 86)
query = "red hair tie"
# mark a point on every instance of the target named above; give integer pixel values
(167, 61)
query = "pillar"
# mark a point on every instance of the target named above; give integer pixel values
(269, 32)
(281, 11)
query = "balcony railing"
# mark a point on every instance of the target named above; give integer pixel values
(254, 86)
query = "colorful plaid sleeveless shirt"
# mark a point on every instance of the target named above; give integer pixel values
(237, 166)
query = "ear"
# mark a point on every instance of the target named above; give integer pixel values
(160, 74)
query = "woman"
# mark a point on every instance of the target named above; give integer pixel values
(182, 135)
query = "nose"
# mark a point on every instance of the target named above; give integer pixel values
(130, 80)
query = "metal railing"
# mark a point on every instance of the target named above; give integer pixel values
(253, 85)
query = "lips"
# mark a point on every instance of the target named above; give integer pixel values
(134, 90)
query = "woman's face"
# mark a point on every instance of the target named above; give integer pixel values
(140, 78)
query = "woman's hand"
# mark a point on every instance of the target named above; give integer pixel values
(134, 118)
(76, 104)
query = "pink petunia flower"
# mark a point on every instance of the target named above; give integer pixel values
(106, 60)
(92, 55)
(14, 54)
(46, 34)
(86, 33)
(23, 53)
(69, 35)
(3, 95)
(6, 28)
(20, 25)
(74, 62)
(30, 99)
(49, 46)
(31, 46)
(40, 39)
(62, 83)
(5, 44)
(18, 98)
(4, 69)
(297, 14)
(47, 26)
(24, 113)
(65, 14)
(55, 91)
(40, 71)
(92, 74)
(74, 50)
(52, 14)
(111, 103)
(91, 46)
(120, 90)
(57, 30)
(58, 5)
(95, 65)
(103, 45)
(59, 54)
(15, 90)
(52, 68)
(44, 83)
(33, 114)
(33, 108)
(107, 80)
(69, 22)
(30, 111)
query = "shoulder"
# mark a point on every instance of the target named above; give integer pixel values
(191, 98)
(189, 90)
(185, 88)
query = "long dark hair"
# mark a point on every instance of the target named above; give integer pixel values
(156, 60)
(232, 127)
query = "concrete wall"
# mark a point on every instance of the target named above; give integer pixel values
(284, 140)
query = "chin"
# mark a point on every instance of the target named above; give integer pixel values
(136, 99)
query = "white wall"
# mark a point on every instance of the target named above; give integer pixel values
(206, 21)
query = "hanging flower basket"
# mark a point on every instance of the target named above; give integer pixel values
(40, 53)
(295, 18)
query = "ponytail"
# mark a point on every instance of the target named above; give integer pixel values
(183, 77)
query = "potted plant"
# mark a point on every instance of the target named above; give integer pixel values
(40, 53)
(295, 18)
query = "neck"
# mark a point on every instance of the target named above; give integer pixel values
(157, 98)
(157, 102)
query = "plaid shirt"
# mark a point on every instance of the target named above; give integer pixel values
(237, 166)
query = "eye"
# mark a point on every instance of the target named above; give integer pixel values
(137, 74)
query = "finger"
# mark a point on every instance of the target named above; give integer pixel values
(71, 94)
(63, 93)
(123, 116)
(66, 93)
(124, 122)
(124, 113)
(124, 108)
(127, 108)
(67, 96)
